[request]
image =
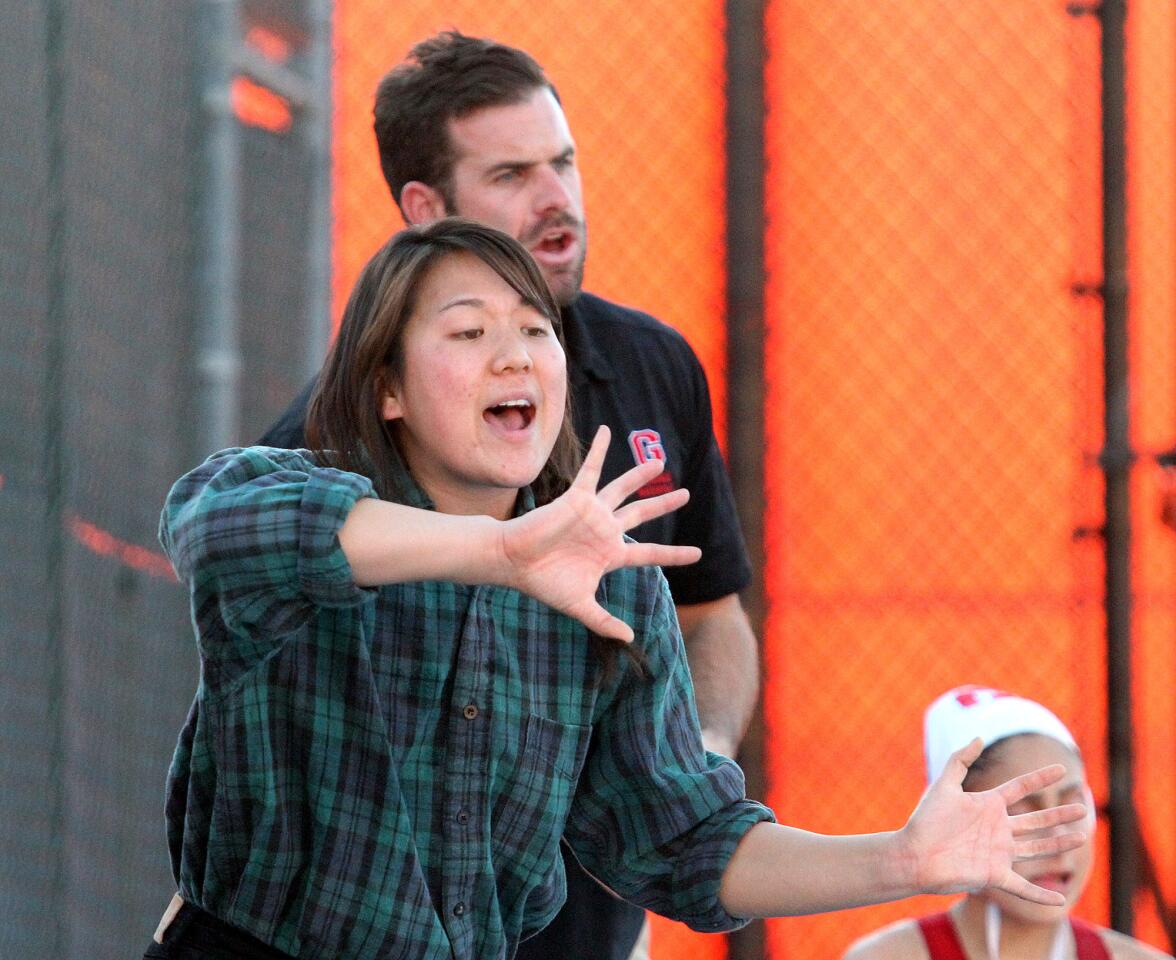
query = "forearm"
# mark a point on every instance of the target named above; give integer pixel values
(724, 665)
(392, 543)
(781, 871)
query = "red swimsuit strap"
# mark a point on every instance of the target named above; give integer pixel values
(944, 944)
(1088, 941)
(940, 935)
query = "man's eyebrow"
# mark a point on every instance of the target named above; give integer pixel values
(508, 165)
(562, 157)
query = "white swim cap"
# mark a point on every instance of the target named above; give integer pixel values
(960, 715)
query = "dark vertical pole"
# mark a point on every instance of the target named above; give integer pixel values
(745, 339)
(218, 238)
(1116, 462)
(315, 122)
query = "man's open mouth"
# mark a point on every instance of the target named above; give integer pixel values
(511, 414)
(555, 241)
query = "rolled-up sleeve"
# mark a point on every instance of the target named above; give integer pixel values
(656, 817)
(255, 532)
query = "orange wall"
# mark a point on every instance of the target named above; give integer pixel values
(932, 397)
(1151, 46)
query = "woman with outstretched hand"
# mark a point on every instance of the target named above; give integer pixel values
(428, 653)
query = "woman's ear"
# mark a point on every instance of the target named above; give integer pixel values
(390, 408)
(421, 203)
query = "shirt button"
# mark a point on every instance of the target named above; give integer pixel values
(463, 817)
(470, 711)
(458, 909)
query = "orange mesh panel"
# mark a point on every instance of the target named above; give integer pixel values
(642, 87)
(1151, 48)
(932, 387)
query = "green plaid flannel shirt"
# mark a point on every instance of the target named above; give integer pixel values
(388, 772)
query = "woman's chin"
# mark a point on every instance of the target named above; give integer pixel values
(1024, 911)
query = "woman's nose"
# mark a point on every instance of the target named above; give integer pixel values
(512, 354)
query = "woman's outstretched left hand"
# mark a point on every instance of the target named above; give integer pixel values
(959, 841)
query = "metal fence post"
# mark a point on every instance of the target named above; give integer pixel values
(1116, 460)
(218, 220)
(316, 132)
(745, 342)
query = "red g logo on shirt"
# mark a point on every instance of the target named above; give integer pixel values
(647, 445)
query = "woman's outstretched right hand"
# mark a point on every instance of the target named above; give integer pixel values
(557, 553)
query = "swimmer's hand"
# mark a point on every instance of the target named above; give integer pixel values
(957, 841)
(557, 553)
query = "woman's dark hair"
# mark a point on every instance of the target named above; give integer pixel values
(344, 425)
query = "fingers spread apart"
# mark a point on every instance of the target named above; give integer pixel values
(1023, 823)
(1016, 884)
(589, 475)
(657, 555)
(639, 511)
(619, 490)
(1028, 783)
(1047, 846)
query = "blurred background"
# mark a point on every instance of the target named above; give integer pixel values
(925, 251)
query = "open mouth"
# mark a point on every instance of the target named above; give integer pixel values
(511, 414)
(555, 242)
(1054, 881)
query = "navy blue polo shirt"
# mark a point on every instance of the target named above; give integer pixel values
(640, 377)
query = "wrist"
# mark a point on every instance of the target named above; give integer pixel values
(501, 569)
(478, 540)
(902, 863)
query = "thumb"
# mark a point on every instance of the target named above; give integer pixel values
(960, 761)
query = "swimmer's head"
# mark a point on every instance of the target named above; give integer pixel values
(1019, 736)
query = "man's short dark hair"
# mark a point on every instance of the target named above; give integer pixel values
(445, 77)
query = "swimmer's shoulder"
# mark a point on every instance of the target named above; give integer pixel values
(899, 941)
(1123, 947)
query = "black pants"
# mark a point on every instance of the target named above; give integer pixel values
(593, 925)
(196, 934)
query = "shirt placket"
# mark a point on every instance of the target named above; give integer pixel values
(467, 765)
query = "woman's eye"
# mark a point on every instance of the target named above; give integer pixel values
(536, 331)
(472, 334)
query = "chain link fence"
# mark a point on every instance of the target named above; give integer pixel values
(934, 406)
(933, 361)
(1151, 151)
(104, 188)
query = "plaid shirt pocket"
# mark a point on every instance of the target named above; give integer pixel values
(528, 817)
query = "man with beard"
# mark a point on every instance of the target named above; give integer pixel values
(473, 128)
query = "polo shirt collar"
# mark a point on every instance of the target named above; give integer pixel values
(586, 355)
